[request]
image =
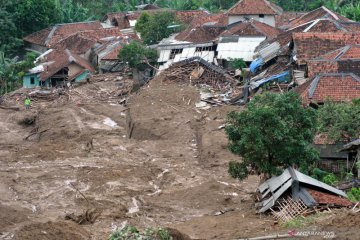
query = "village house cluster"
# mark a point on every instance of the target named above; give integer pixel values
(315, 53)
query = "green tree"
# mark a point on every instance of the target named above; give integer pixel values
(8, 32)
(33, 15)
(339, 121)
(73, 12)
(137, 56)
(7, 73)
(274, 132)
(154, 27)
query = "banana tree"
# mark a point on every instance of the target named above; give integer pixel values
(7, 73)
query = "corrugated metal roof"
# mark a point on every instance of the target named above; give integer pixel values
(269, 52)
(278, 185)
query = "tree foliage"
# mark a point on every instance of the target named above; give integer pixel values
(340, 121)
(137, 55)
(155, 27)
(12, 71)
(274, 132)
(73, 12)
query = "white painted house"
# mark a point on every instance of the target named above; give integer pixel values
(241, 39)
(260, 10)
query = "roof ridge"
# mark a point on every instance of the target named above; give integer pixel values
(342, 52)
(330, 12)
(73, 23)
(51, 34)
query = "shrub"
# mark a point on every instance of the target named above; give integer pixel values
(354, 194)
(132, 233)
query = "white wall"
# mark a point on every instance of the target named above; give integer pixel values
(244, 48)
(268, 19)
(188, 52)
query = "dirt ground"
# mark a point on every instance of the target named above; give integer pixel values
(76, 160)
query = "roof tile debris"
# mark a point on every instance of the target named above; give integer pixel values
(249, 7)
(299, 185)
(329, 199)
(338, 87)
(50, 36)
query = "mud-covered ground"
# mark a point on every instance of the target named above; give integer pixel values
(76, 162)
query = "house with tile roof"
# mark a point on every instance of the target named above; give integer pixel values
(338, 87)
(45, 39)
(261, 10)
(58, 68)
(345, 60)
(310, 45)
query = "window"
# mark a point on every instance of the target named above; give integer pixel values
(32, 80)
(174, 52)
(261, 16)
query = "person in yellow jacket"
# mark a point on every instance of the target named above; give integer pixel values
(27, 103)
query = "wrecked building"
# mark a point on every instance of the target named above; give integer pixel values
(58, 68)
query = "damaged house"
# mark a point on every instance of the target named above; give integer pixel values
(197, 40)
(58, 68)
(293, 193)
(240, 39)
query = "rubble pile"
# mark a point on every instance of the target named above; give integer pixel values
(198, 71)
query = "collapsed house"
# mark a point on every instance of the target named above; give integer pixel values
(197, 71)
(293, 193)
(197, 40)
(58, 68)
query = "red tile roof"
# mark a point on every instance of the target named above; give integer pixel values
(338, 87)
(57, 60)
(82, 42)
(312, 45)
(188, 16)
(283, 20)
(252, 28)
(321, 12)
(344, 53)
(77, 43)
(50, 36)
(329, 199)
(248, 7)
(113, 54)
(204, 28)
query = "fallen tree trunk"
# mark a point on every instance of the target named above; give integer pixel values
(10, 108)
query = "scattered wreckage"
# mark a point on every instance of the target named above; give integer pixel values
(295, 194)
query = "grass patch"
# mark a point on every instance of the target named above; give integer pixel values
(302, 221)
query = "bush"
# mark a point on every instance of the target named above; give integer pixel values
(354, 194)
(132, 233)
